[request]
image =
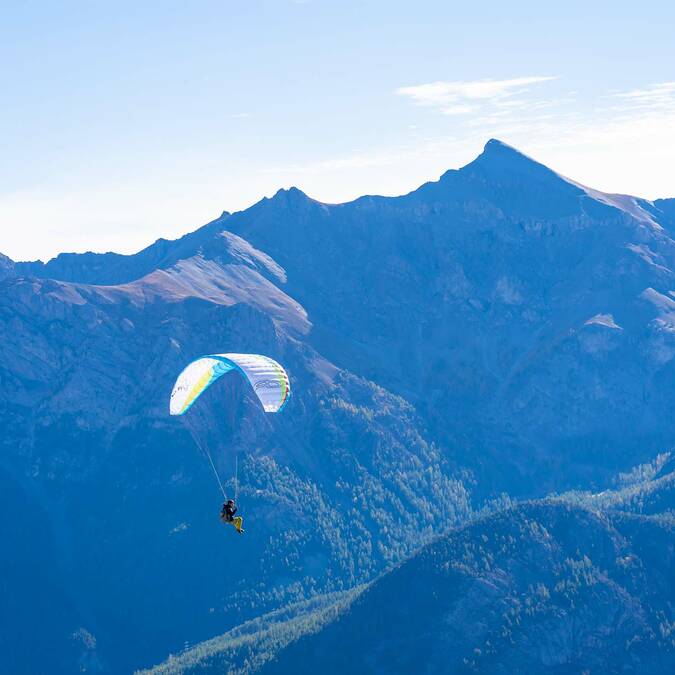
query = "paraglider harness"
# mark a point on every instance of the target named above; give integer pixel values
(228, 511)
(228, 515)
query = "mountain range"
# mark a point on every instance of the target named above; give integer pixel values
(498, 335)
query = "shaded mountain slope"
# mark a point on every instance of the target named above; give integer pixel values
(249, 647)
(554, 586)
(542, 588)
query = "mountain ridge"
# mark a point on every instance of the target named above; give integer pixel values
(497, 157)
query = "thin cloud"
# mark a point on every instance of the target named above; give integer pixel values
(458, 109)
(356, 160)
(659, 96)
(461, 97)
(654, 92)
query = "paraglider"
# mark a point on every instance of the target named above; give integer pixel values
(270, 384)
(268, 379)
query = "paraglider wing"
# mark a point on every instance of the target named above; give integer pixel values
(268, 379)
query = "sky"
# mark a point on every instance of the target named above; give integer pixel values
(124, 122)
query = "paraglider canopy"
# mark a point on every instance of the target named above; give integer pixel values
(268, 379)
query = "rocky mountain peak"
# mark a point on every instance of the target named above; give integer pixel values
(502, 161)
(291, 196)
(6, 266)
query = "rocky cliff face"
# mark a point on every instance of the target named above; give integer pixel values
(502, 329)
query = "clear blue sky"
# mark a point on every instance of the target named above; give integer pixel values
(122, 122)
